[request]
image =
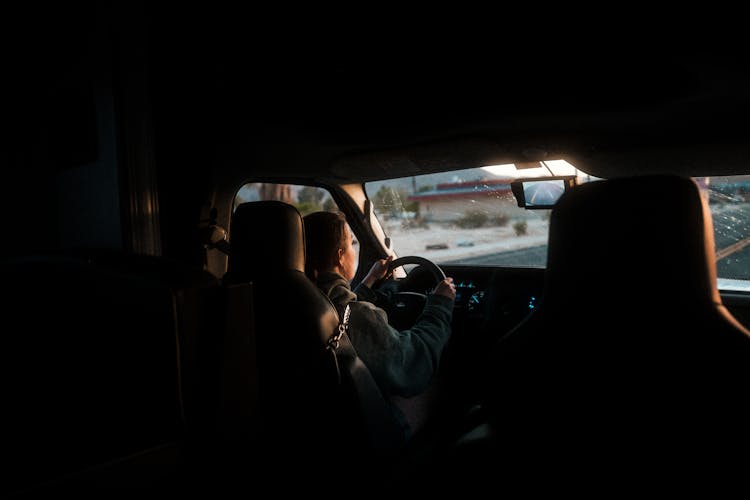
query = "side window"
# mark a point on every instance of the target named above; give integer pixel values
(729, 201)
(307, 199)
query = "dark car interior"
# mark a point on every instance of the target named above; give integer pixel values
(161, 334)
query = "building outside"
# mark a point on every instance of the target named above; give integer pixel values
(448, 202)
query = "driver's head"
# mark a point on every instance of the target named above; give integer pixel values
(328, 245)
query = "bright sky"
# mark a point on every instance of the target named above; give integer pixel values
(559, 167)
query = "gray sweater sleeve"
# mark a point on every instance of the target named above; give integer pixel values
(402, 362)
(377, 297)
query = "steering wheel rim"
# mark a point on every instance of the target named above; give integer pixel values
(426, 263)
(405, 306)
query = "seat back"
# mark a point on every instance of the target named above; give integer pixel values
(310, 401)
(630, 347)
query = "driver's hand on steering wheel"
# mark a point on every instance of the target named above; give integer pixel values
(378, 271)
(446, 288)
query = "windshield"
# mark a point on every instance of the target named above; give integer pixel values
(470, 217)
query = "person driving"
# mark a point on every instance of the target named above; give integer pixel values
(404, 362)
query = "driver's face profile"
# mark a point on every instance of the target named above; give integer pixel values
(348, 256)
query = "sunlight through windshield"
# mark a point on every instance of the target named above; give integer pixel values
(470, 217)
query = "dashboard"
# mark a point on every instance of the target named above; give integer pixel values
(468, 296)
(490, 301)
(495, 298)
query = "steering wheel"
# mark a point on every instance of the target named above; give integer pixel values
(407, 296)
(413, 259)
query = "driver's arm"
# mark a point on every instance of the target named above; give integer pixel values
(378, 271)
(402, 362)
(367, 294)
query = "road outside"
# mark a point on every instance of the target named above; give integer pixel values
(500, 246)
(486, 240)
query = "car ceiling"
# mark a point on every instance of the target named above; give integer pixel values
(347, 115)
(624, 114)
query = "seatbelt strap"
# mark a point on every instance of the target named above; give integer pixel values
(335, 340)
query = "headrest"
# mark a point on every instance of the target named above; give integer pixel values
(265, 237)
(615, 240)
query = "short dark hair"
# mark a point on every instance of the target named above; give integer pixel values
(324, 236)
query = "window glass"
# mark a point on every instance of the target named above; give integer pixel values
(729, 201)
(307, 199)
(466, 216)
(470, 217)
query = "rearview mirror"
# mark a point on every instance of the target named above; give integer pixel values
(541, 192)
